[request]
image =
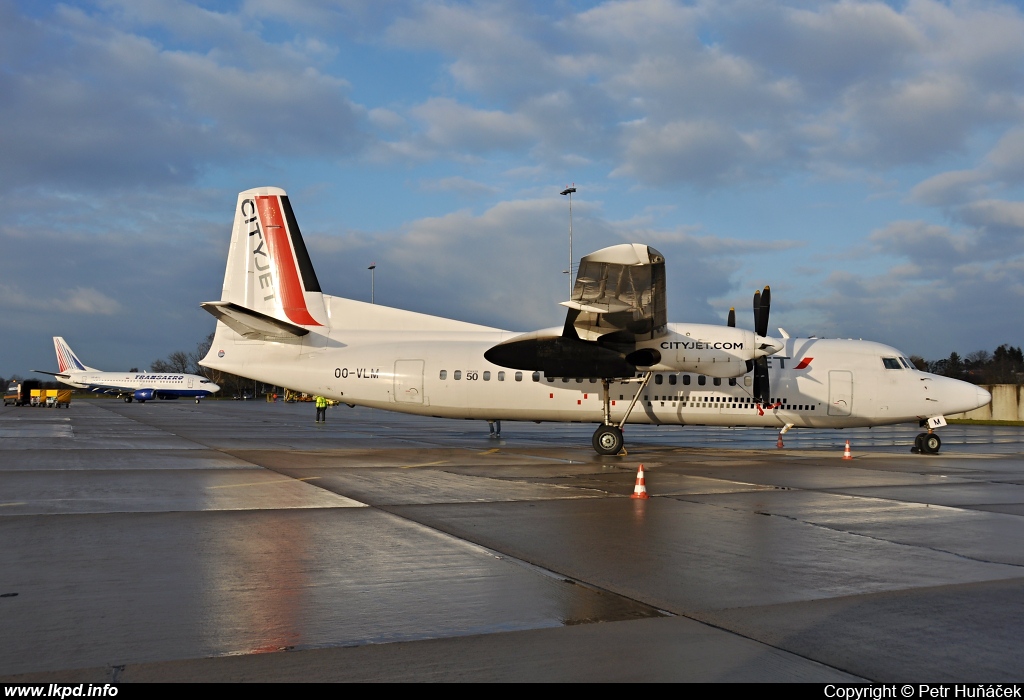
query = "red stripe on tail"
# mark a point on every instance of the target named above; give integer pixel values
(293, 299)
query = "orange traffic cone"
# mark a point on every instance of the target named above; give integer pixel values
(779, 443)
(846, 452)
(640, 490)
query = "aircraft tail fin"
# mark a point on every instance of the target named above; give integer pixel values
(269, 271)
(67, 360)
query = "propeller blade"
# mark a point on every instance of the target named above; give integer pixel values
(732, 317)
(762, 315)
(762, 386)
(757, 310)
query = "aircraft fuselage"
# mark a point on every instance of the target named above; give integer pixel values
(815, 383)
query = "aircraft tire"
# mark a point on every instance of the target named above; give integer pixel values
(931, 444)
(916, 449)
(127, 399)
(607, 440)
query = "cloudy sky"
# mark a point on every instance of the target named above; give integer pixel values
(865, 159)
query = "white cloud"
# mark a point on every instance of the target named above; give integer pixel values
(112, 108)
(78, 300)
(451, 125)
(949, 189)
(459, 185)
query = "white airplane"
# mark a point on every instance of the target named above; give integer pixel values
(141, 387)
(615, 361)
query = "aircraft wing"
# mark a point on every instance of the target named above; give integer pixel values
(620, 289)
(618, 299)
(252, 324)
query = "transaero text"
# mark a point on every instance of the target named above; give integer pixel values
(923, 690)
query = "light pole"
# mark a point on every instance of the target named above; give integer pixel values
(569, 191)
(371, 268)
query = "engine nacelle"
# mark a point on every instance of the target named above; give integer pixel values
(717, 351)
(144, 395)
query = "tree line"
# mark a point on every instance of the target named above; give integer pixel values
(1004, 366)
(181, 362)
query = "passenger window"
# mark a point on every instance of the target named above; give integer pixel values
(732, 381)
(658, 379)
(672, 379)
(551, 380)
(891, 363)
(458, 374)
(501, 376)
(702, 380)
(536, 376)
(686, 380)
(519, 377)
(579, 380)
(487, 376)
(717, 381)
(444, 374)
(593, 380)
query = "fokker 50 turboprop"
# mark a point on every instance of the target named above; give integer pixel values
(141, 387)
(615, 360)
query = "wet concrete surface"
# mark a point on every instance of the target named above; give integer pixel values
(242, 541)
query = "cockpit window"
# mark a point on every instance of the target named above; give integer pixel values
(906, 363)
(891, 363)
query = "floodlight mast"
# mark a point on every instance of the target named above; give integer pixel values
(371, 268)
(569, 191)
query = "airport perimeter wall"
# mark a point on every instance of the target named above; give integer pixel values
(1006, 404)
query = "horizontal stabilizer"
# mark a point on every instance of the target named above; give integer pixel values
(53, 374)
(252, 324)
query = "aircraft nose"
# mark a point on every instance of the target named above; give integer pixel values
(960, 397)
(984, 398)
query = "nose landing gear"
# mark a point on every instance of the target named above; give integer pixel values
(926, 443)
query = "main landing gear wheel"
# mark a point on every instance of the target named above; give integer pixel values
(607, 440)
(197, 400)
(127, 399)
(927, 443)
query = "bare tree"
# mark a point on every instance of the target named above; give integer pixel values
(198, 354)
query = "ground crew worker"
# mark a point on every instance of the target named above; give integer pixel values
(321, 409)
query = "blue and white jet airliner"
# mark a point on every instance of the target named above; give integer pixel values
(130, 386)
